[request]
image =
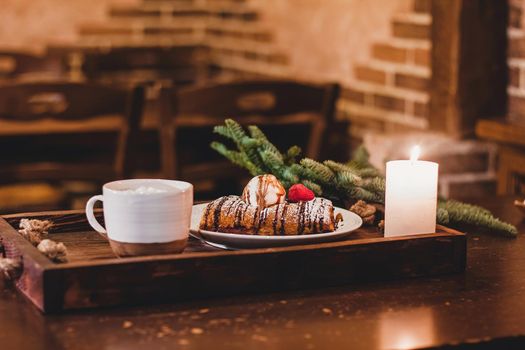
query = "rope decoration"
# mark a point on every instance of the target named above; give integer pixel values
(11, 268)
(34, 230)
(53, 250)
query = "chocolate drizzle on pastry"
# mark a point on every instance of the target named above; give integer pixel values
(217, 213)
(231, 214)
(283, 216)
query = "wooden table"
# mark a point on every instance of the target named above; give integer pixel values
(485, 307)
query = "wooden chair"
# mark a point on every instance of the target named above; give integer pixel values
(151, 67)
(511, 170)
(26, 65)
(261, 102)
(509, 135)
(36, 115)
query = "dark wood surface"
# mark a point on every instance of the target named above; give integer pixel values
(484, 307)
(147, 65)
(78, 56)
(29, 65)
(93, 277)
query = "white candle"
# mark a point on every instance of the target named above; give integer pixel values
(411, 196)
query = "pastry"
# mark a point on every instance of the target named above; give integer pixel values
(232, 214)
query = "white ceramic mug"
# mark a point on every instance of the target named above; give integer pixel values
(144, 216)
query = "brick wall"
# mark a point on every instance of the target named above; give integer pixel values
(31, 24)
(325, 39)
(239, 43)
(516, 60)
(379, 51)
(390, 89)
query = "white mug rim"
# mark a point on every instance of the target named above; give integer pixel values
(184, 187)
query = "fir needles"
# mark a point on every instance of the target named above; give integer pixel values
(354, 180)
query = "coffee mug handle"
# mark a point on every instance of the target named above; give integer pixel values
(91, 217)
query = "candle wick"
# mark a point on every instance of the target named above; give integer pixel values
(414, 154)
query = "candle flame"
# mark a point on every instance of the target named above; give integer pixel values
(414, 153)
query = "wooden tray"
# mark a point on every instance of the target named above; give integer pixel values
(94, 277)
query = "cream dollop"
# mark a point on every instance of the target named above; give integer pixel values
(144, 190)
(264, 191)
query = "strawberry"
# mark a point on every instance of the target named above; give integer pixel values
(299, 192)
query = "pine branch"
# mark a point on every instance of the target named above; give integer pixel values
(314, 187)
(237, 158)
(289, 177)
(236, 130)
(347, 179)
(257, 134)
(224, 131)
(462, 213)
(291, 155)
(244, 143)
(377, 186)
(442, 216)
(319, 171)
(360, 158)
(337, 167)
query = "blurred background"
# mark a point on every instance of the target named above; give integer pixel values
(96, 90)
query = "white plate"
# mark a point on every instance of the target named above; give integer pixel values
(350, 223)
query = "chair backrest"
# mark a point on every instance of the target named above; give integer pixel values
(261, 102)
(245, 99)
(43, 109)
(15, 64)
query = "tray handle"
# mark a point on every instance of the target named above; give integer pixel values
(11, 269)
